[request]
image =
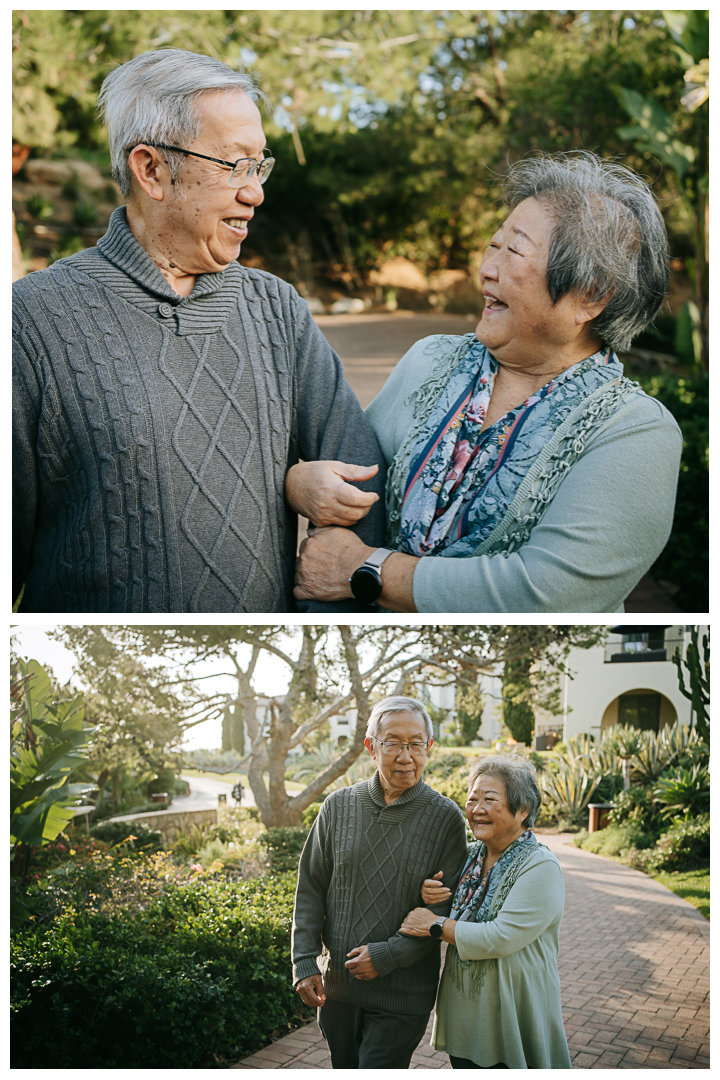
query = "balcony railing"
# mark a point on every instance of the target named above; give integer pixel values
(633, 652)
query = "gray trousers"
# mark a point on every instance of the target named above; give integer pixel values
(369, 1038)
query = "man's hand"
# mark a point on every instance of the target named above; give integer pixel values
(318, 490)
(327, 559)
(433, 891)
(311, 991)
(360, 965)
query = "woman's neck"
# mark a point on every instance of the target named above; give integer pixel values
(493, 853)
(514, 385)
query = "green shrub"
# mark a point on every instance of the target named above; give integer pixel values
(117, 832)
(284, 846)
(636, 805)
(685, 846)
(455, 786)
(309, 814)
(195, 980)
(684, 561)
(614, 839)
(443, 764)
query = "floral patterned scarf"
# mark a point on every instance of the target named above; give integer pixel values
(461, 480)
(479, 899)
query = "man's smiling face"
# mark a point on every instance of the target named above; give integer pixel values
(200, 229)
(400, 770)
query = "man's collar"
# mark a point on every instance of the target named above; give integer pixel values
(207, 307)
(377, 793)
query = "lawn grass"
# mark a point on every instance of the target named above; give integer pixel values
(691, 885)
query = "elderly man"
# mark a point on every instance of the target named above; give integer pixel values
(162, 390)
(361, 870)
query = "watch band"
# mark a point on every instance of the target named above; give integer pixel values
(377, 558)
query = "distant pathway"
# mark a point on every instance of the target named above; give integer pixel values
(634, 971)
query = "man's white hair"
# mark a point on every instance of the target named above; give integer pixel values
(152, 98)
(397, 704)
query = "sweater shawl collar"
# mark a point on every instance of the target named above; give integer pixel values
(373, 799)
(204, 311)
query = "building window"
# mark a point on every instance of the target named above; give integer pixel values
(640, 711)
(642, 643)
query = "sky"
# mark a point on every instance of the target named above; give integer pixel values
(33, 642)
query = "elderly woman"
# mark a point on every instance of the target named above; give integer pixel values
(498, 1004)
(527, 473)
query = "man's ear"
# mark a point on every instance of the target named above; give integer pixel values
(149, 170)
(370, 748)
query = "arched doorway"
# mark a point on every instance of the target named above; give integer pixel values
(648, 710)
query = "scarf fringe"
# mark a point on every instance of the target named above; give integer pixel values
(478, 968)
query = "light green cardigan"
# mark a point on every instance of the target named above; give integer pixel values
(515, 1017)
(605, 523)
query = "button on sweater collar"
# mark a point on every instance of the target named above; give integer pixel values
(203, 312)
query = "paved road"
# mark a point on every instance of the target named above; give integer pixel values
(204, 791)
(370, 347)
(634, 972)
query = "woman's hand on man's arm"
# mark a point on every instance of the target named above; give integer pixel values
(319, 490)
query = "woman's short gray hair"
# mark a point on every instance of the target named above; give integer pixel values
(397, 704)
(609, 238)
(520, 779)
(152, 97)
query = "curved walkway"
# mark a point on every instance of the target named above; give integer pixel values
(634, 971)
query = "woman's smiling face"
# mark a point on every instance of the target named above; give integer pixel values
(489, 815)
(520, 323)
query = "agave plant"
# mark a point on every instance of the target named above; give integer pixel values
(571, 787)
(578, 750)
(625, 742)
(686, 793)
(678, 738)
(652, 756)
(323, 756)
(604, 759)
(362, 769)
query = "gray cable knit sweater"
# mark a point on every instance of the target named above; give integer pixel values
(152, 434)
(360, 874)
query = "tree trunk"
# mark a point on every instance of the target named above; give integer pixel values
(18, 267)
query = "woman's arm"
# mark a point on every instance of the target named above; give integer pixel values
(534, 903)
(606, 525)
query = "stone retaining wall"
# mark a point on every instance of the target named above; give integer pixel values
(170, 823)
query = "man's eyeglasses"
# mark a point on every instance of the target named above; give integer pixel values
(416, 748)
(243, 170)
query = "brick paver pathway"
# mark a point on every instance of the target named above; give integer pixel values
(634, 971)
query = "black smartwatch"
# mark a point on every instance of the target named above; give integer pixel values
(366, 582)
(436, 928)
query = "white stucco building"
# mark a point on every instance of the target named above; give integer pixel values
(630, 680)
